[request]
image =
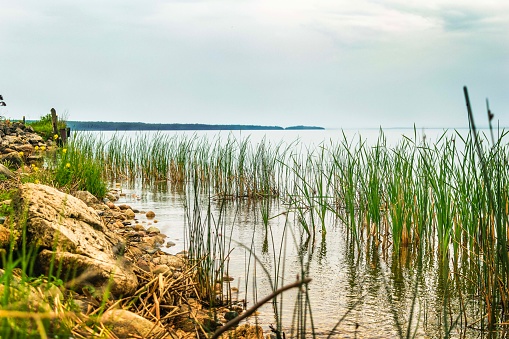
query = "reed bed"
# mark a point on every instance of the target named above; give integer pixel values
(450, 195)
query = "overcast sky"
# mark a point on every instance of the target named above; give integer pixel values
(333, 63)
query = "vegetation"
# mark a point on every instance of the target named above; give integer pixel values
(44, 126)
(447, 199)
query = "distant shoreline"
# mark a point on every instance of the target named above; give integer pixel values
(141, 126)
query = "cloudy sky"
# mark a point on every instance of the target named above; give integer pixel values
(333, 63)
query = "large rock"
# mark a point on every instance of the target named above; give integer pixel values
(72, 237)
(126, 324)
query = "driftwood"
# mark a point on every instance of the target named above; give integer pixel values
(259, 304)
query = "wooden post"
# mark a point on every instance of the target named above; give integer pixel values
(63, 136)
(54, 121)
(23, 120)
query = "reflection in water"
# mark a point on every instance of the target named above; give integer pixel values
(357, 289)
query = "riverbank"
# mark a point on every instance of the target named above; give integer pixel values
(90, 267)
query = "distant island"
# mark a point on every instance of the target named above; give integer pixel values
(141, 126)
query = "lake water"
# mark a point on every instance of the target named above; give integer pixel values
(371, 292)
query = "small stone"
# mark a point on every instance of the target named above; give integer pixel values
(155, 221)
(124, 207)
(139, 227)
(111, 196)
(151, 250)
(231, 315)
(129, 213)
(153, 229)
(143, 265)
(170, 244)
(119, 224)
(150, 215)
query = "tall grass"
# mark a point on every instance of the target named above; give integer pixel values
(448, 196)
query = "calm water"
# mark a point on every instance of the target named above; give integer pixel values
(371, 291)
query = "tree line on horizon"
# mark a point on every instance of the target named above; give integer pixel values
(141, 126)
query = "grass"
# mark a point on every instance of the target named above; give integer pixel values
(44, 126)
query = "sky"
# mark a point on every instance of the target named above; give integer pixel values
(330, 63)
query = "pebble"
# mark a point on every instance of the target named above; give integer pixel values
(231, 315)
(151, 250)
(139, 227)
(170, 244)
(143, 265)
(153, 229)
(150, 215)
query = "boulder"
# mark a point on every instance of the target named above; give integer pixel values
(72, 236)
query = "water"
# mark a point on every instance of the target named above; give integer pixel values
(372, 292)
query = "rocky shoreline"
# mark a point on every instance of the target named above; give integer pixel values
(111, 267)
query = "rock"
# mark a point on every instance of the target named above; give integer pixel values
(12, 158)
(143, 265)
(150, 215)
(126, 324)
(73, 238)
(35, 139)
(153, 229)
(5, 236)
(111, 205)
(35, 159)
(118, 215)
(163, 269)
(5, 171)
(139, 227)
(231, 315)
(25, 148)
(118, 224)
(87, 197)
(154, 242)
(129, 214)
(170, 244)
(124, 207)
(170, 260)
(111, 197)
